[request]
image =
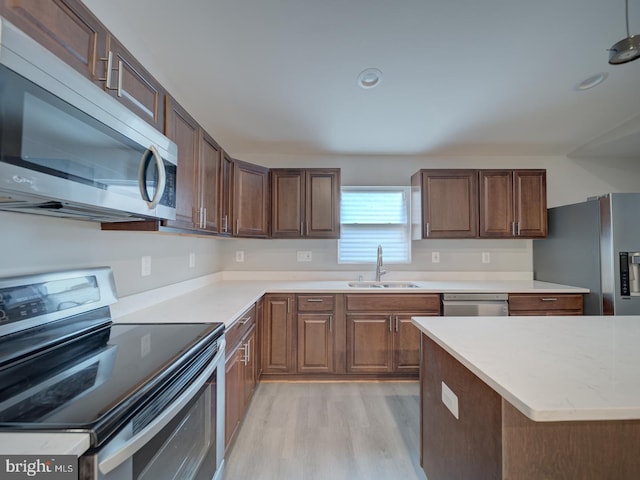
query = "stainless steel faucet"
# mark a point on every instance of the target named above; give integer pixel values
(379, 270)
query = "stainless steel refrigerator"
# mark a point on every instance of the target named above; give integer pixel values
(596, 245)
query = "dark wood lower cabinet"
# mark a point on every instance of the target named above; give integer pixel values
(241, 371)
(380, 335)
(278, 347)
(316, 343)
(492, 440)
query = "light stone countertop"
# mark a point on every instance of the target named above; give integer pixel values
(550, 368)
(213, 298)
(225, 300)
(25, 443)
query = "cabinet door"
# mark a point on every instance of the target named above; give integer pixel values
(233, 380)
(184, 131)
(530, 203)
(133, 86)
(406, 343)
(65, 27)
(369, 343)
(287, 203)
(496, 204)
(449, 203)
(322, 209)
(316, 343)
(250, 370)
(211, 170)
(250, 204)
(277, 334)
(225, 194)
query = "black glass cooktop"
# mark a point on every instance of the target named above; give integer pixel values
(94, 380)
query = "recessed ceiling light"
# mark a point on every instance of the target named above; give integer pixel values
(369, 78)
(592, 81)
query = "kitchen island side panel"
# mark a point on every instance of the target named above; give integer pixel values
(467, 447)
(591, 450)
(493, 440)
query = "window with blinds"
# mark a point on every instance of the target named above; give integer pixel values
(372, 216)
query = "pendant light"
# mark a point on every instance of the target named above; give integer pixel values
(625, 50)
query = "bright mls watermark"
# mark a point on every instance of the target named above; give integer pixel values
(49, 467)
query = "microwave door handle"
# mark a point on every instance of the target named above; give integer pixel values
(132, 445)
(142, 174)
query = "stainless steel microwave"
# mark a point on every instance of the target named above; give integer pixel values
(69, 149)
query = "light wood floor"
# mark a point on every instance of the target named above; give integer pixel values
(333, 431)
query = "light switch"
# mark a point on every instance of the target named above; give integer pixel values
(435, 257)
(304, 256)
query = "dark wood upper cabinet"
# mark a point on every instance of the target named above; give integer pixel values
(479, 204)
(513, 203)
(132, 85)
(199, 158)
(69, 30)
(65, 27)
(250, 205)
(184, 131)
(226, 194)
(530, 203)
(305, 203)
(445, 204)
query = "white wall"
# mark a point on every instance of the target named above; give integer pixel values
(32, 244)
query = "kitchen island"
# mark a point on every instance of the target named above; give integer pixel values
(530, 397)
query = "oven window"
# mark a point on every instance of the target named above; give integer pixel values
(187, 445)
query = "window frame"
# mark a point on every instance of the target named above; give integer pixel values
(405, 226)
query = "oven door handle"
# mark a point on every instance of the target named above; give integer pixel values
(135, 443)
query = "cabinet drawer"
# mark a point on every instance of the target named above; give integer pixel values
(393, 303)
(239, 328)
(316, 303)
(544, 303)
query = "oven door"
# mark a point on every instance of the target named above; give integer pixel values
(184, 441)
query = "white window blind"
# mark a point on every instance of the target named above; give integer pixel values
(372, 216)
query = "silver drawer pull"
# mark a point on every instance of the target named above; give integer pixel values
(244, 320)
(548, 299)
(315, 300)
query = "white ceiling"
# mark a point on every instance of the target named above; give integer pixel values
(465, 77)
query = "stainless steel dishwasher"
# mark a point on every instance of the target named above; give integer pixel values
(475, 304)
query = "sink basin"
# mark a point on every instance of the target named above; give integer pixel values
(382, 285)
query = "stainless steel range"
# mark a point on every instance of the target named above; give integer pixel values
(150, 396)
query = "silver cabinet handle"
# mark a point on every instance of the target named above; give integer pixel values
(107, 75)
(225, 225)
(316, 300)
(518, 224)
(288, 305)
(119, 86)
(142, 176)
(513, 228)
(427, 229)
(204, 217)
(550, 299)
(330, 323)
(390, 322)
(244, 320)
(301, 229)
(396, 323)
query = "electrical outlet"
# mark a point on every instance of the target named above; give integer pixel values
(450, 400)
(145, 266)
(304, 256)
(435, 257)
(192, 260)
(486, 257)
(239, 255)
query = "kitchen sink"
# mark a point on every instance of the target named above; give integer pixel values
(383, 285)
